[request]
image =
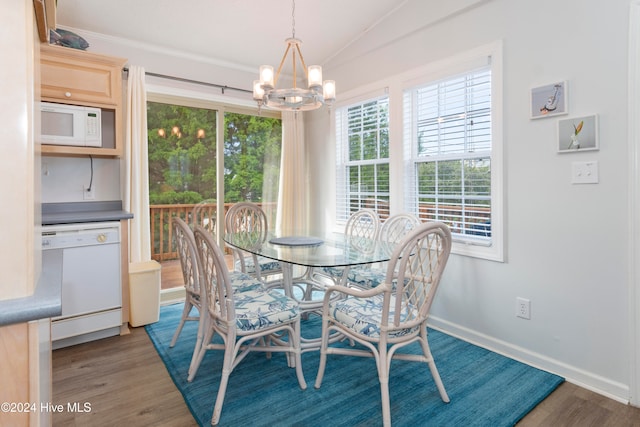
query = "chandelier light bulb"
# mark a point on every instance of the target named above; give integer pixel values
(266, 76)
(314, 76)
(329, 90)
(258, 91)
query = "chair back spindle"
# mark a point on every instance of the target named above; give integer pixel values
(216, 279)
(187, 254)
(420, 260)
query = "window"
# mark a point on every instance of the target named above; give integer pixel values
(449, 158)
(362, 142)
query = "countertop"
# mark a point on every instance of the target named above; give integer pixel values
(78, 212)
(46, 300)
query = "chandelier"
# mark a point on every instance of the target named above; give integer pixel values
(317, 92)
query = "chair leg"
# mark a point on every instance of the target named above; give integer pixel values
(383, 376)
(202, 326)
(323, 353)
(432, 366)
(227, 367)
(436, 378)
(203, 349)
(386, 406)
(185, 313)
(295, 344)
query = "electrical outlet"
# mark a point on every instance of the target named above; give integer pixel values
(88, 193)
(523, 308)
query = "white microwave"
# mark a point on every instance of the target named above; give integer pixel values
(70, 125)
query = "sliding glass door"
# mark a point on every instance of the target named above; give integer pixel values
(185, 170)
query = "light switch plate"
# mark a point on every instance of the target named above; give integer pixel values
(584, 172)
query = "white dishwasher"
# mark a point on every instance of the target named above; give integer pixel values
(91, 281)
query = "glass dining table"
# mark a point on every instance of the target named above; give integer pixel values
(313, 253)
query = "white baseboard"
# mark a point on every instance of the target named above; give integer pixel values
(598, 384)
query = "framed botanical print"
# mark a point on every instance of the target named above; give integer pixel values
(578, 134)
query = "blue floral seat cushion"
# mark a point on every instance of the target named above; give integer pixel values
(366, 277)
(267, 266)
(242, 282)
(363, 315)
(363, 276)
(333, 271)
(259, 308)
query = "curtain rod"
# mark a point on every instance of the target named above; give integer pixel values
(180, 79)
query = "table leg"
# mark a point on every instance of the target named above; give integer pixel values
(307, 304)
(287, 278)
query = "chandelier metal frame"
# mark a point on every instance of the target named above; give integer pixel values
(318, 93)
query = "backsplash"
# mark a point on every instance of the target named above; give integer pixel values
(64, 179)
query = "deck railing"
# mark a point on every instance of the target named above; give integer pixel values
(162, 243)
(163, 246)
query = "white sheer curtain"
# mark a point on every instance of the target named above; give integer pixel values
(293, 195)
(136, 198)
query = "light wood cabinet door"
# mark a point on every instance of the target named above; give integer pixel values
(79, 77)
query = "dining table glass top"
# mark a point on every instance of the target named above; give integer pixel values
(328, 250)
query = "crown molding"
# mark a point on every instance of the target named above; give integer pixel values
(150, 47)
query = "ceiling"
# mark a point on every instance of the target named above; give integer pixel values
(239, 34)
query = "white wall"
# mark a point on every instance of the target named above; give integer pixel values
(566, 245)
(64, 178)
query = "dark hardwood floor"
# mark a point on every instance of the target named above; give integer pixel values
(124, 381)
(126, 384)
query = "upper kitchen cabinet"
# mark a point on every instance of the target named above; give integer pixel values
(72, 76)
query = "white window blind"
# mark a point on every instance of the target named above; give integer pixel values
(362, 150)
(448, 148)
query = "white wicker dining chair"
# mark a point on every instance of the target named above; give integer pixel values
(363, 227)
(194, 298)
(386, 318)
(188, 255)
(254, 320)
(246, 217)
(204, 214)
(392, 231)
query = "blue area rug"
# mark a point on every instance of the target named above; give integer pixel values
(485, 388)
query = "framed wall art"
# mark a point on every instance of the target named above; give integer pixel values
(578, 134)
(550, 100)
